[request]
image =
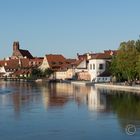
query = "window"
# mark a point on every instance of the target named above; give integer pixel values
(91, 66)
(53, 63)
(101, 66)
(60, 63)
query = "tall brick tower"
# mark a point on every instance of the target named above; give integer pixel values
(15, 46)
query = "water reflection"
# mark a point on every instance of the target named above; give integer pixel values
(37, 99)
(96, 100)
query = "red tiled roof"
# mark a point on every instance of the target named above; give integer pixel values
(101, 56)
(55, 61)
(19, 72)
(21, 63)
(77, 62)
(69, 61)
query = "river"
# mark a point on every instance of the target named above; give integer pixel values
(36, 111)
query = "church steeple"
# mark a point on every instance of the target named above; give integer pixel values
(15, 46)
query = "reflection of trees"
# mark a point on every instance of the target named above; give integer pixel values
(127, 107)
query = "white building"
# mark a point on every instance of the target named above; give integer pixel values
(97, 66)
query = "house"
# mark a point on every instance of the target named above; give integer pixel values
(20, 53)
(16, 67)
(98, 64)
(22, 73)
(65, 74)
(53, 61)
(81, 67)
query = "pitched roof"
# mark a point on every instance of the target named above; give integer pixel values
(21, 63)
(19, 72)
(101, 56)
(26, 53)
(77, 62)
(55, 61)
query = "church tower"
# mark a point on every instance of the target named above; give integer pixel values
(15, 46)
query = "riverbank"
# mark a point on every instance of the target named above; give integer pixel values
(84, 83)
(118, 87)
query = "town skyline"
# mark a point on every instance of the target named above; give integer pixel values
(67, 27)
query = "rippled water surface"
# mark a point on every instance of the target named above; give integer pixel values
(30, 111)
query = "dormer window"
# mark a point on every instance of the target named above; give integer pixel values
(53, 63)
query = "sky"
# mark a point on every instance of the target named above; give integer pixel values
(67, 27)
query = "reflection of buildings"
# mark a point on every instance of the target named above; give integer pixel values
(55, 95)
(24, 95)
(96, 100)
(19, 96)
(59, 94)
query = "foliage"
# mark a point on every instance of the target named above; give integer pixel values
(48, 72)
(38, 73)
(126, 65)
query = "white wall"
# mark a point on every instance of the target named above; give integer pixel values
(81, 67)
(2, 70)
(94, 72)
(44, 64)
(61, 75)
(103, 79)
(68, 74)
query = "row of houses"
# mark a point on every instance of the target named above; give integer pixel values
(88, 66)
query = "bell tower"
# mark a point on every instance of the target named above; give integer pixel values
(15, 46)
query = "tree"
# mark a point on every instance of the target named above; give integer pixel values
(138, 66)
(48, 72)
(36, 73)
(138, 45)
(124, 64)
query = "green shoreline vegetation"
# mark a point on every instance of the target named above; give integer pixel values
(125, 66)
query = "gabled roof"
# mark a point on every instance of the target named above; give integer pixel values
(26, 53)
(21, 63)
(55, 61)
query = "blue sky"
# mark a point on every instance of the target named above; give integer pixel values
(67, 26)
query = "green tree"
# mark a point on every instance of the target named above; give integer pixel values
(124, 63)
(36, 73)
(48, 72)
(138, 45)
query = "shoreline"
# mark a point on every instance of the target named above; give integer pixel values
(118, 87)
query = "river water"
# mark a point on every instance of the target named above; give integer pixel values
(31, 111)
